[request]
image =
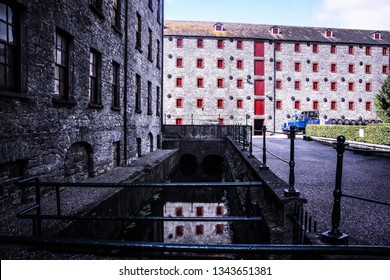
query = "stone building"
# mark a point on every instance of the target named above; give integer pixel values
(80, 88)
(259, 75)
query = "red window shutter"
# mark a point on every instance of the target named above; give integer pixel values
(297, 85)
(240, 83)
(368, 106)
(385, 69)
(239, 103)
(179, 62)
(259, 49)
(179, 121)
(220, 44)
(259, 107)
(259, 67)
(200, 43)
(278, 46)
(385, 51)
(179, 102)
(351, 68)
(240, 64)
(220, 63)
(220, 104)
(278, 84)
(200, 63)
(200, 82)
(315, 48)
(297, 47)
(297, 66)
(199, 103)
(333, 67)
(259, 87)
(279, 104)
(179, 82)
(333, 49)
(221, 121)
(179, 43)
(240, 45)
(333, 105)
(297, 105)
(333, 86)
(351, 86)
(351, 105)
(278, 66)
(220, 83)
(315, 105)
(368, 87)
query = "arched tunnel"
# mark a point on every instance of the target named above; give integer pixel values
(211, 165)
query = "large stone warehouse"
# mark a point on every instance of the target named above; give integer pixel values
(230, 73)
(80, 88)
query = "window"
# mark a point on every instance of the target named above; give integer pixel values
(279, 105)
(368, 87)
(115, 85)
(116, 14)
(368, 106)
(278, 66)
(179, 62)
(333, 86)
(351, 50)
(138, 28)
(220, 83)
(199, 103)
(150, 4)
(240, 64)
(259, 107)
(94, 73)
(278, 84)
(220, 63)
(315, 48)
(351, 105)
(316, 67)
(333, 68)
(385, 51)
(221, 121)
(218, 27)
(385, 69)
(179, 42)
(368, 50)
(138, 108)
(96, 5)
(240, 104)
(297, 47)
(240, 45)
(179, 211)
(158, 101)
(219, 211)
(297, 66)
(61, 84)
(150, 45)
(10, 48)
(150, 99)
(377, 36)
(179, 82)
(259, 48)
(259, 67)
(368, 69)
(159, 11)
(220, 44)
(333, 49)
(315, 105)
(333, 105)
(179, 103)
(297, 85)
(199, 229)
(200, 63)
(278, 46)
(240, 83)
(220, 103)
(179, 121)
(275, 30)
(351, 86)
(297, 105)
(329, 33)
(219, 228)
(259, 87)
(199, 82)
(351, 68)
(179, 230)
(158, 55)
(200, 43)
(316, 85)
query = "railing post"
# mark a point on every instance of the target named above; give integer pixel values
(264, 166)
(291, 191)
(38, 221)
(244, 138)
(334, 235)
(250, 142)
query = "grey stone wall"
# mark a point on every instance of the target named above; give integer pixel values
(40, 132)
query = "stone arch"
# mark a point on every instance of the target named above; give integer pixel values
(188, 164)
(78, 164)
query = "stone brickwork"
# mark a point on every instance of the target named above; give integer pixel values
(71, 138)
(305, 81)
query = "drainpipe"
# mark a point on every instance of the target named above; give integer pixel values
(162, 68)
(274, 92)
(126, 60)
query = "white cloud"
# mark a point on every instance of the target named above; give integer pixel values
(356, 14)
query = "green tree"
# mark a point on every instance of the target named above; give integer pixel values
(382, 101)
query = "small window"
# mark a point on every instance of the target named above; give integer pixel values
(333, 49)
(240, 83)
(315, 105)
(94, 77)
(297, 47)
(240, 45)
(200, 63)
(138, 30)
(116, 14)
(220, 104)
(96, 5)
(351, 86)
(278, 66)
(316, 67)
(218, 27)
(199, 211)
(200, 43)
(333, 86)
(351, 50)
(351, 105)
(220, 83)
(219, 210)
(138, 104)
(179, 121)
(385, 69)
(279, 105)
(199, 103)
(240, 104)
(179, 230)
(179, 211)
(115, 103)
(297, 85)
(278, 46)
(240, 64)
(368, 106)
(297, 105)
(220, 44)
(377, 36)
(275, 30)
(179, 103)
(150, 45)
(351, 68)
(278, 84)
(368, 69)
(297, 66)
(61, 83)
(199, 82)
(220, 63)
(199, 229)
(333, 105)
(328, 33)
(316, 85)
(368, 50)
(221, 121)
(368, 87)
(179, 82)
(333, 68)
(385, 51)
(219, 228)
(179, 62)
(179, 42)
(315, 48)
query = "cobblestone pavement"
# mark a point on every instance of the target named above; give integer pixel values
(315, 172)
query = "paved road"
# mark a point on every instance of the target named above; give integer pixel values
(315, 172)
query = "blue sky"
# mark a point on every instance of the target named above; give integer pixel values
(357, 14)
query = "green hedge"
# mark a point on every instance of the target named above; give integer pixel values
(375, 134)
